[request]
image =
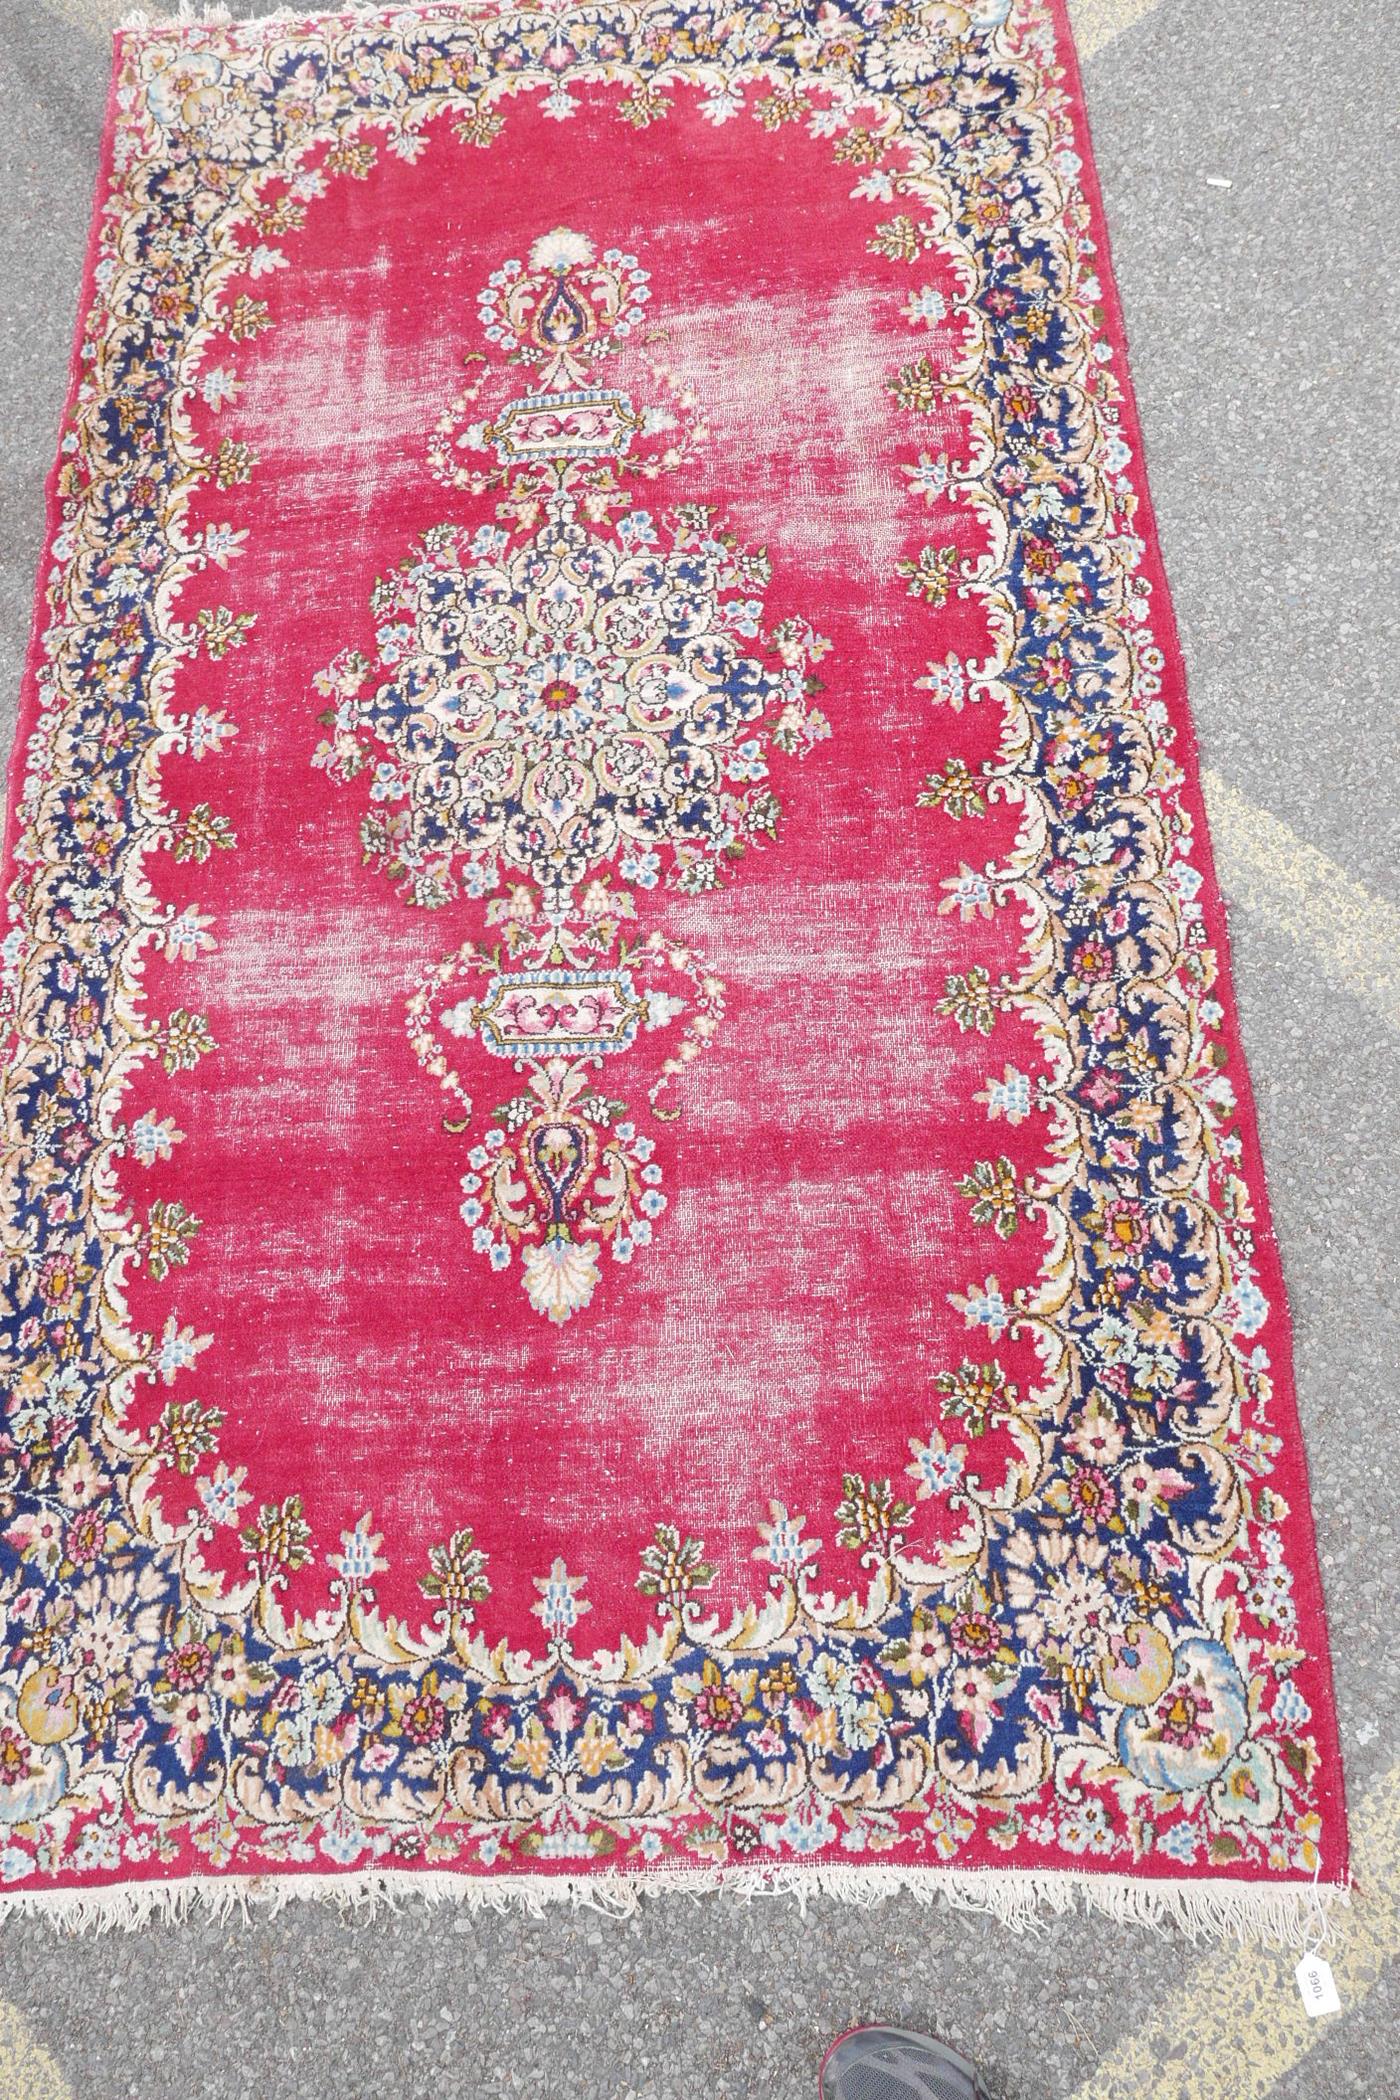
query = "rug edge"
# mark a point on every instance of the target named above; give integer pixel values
(1308, 1567)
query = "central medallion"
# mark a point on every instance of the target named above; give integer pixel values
(570, 703)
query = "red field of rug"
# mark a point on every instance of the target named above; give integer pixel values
(635, 1235)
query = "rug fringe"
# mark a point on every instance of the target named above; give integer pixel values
(1297, 1915)
(213, 14)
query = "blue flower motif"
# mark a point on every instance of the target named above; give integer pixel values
(342, 1842)
(394, 642)
(642, 868)
(1291, 1709)
(1179, 1842)
(1251, 1306)
(637, 530)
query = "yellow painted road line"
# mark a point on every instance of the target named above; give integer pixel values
(1237, 2024)
(1354, 935)
(1098, 22)
(27, 2071)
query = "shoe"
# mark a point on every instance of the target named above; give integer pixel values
(886, 2063)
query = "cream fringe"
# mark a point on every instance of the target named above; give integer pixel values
(212, 14)
(1295, 1915)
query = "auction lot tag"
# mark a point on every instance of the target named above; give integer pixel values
(1316, 1987)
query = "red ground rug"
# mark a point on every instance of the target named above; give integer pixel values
(636, 1252)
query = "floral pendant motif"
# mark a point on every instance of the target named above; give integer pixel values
(567, 706)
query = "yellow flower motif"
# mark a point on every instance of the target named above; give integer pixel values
(594, 1748)
(821, 1730)
(532, 1752)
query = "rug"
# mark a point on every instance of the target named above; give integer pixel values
(636, 1249)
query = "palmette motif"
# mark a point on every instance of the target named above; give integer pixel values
(1101, 1665)
(564, 704)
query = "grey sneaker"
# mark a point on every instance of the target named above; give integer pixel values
(886, 2063)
